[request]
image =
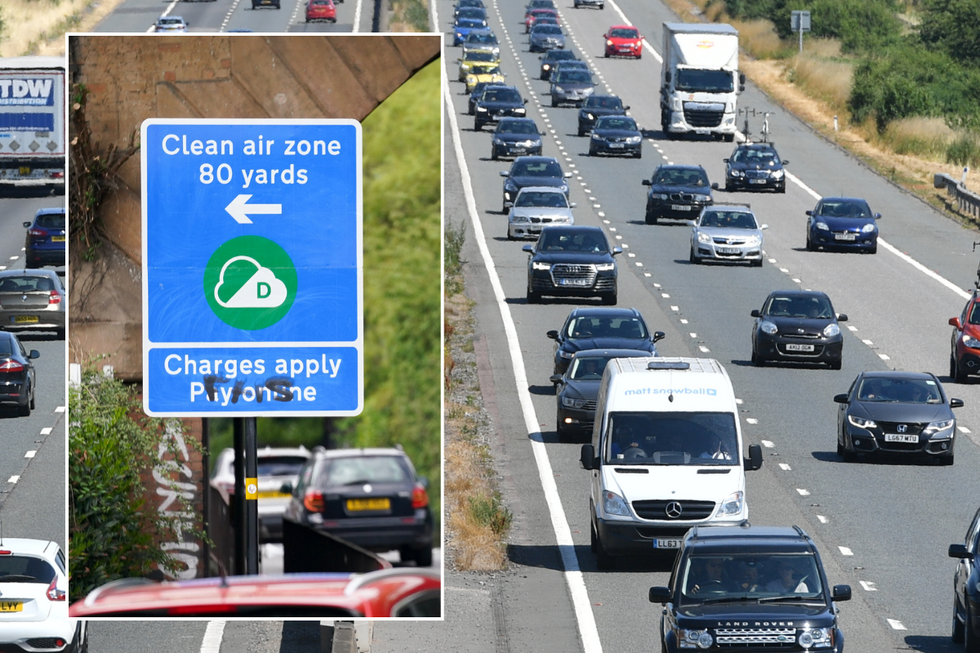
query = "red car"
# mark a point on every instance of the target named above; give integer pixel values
(532, 14)
(623, 41)
(321, 10)
(385, 593)
(964, 350)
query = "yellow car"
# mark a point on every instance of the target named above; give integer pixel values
(476, 58)
(483, 74)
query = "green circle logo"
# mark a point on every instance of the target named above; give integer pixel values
(250, 283)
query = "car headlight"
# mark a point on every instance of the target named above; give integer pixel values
(510, 187)
(938, 427)
(596, 137)
(545, 67)
(732, 505)
(831, 330)
(737, 173)
(659, 196)
(816, 637)
(768, 327)
(693, 638)
(498, 141)
(589, 116)
(698, 197)
(608, 42)
(970, 341)
(633, 140)
(704, 238)
(563, 188)
(520, 111)
(522, 219)
(822, 226)
(565, 354)
(868, 228)
(776, 174)
(605, 267)
(613, 504)
(752, 241)
(572, 402)
(861, 422)
(537, 265)
(558, 89)
(480, 109)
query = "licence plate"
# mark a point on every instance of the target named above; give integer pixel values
(727, 250)
(25, 170)
(794, 347)
(355, 505)
(680, 207)
(573, 282)
(666, 543)
(757, 181)
(26, 319)
(616, 146)
(847, 236)
(57, 239)
(272, 494)
(901, 437)
(11, 606)
(518, 150)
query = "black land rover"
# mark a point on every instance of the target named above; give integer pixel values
(751, 589)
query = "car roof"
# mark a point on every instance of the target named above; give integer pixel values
(321, 453)
(729, 539)
(541, 189)
(843, 199)
(23, 545)
(796, 292)
(582, 311)
(54, 210)
(618, 353)
(33, 272)
(730, 207)
(678, 166)
(898, 374)
(573, 228)
(536, 159)
(515, 119)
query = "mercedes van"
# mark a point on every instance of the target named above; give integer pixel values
(666, 455)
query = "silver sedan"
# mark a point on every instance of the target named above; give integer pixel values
(727, 233)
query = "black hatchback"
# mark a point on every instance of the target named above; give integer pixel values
(596, 106)
(797, 326)
(902, 413)
(18, 380)
(602, 328)
(755, 166)
(572, 261)
(369, 497)
(515, 137)
(498, 102)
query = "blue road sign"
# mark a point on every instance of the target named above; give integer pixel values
(252, 271)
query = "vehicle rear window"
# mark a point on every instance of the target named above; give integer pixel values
(51, 221)
(25, 569)
(364, 469)
(280, 465)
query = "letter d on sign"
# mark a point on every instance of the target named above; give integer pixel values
(263, 289)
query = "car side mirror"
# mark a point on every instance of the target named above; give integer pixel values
(841, 399)
(755, 313)
(588, 458)
(552, 334)
(286, 488)
(645, 182)
(504, 173)
(725, 160)
(959, 551)
(785, 162)
(841, 593)
(556, 378)
(877, 216)
(525, 101)
(714, 186)
(34, 354)
(27, 224)
(626, 108)
(955, 322)
(955, 403)
(842, 317)
(658, 336)
(754, 461)
(617, 250)
(528, 248)
(660, 595)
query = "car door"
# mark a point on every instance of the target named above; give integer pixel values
(965, 566)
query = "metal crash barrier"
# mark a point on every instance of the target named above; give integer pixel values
(966, 201)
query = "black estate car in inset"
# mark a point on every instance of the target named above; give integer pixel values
(749, 588)
(572, 261)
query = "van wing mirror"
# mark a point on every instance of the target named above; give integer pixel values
(588, 458)
(754, 461)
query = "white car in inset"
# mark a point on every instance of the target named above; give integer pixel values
(34, 599)
(536, 207)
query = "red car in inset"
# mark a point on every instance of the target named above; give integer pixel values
(623, 41)
(964, 350)
(532, 14)
(321, 10)
(384, 593)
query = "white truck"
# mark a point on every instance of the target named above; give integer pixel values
(699, 80)
(32, 126)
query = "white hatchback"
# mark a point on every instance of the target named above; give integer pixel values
(34, 599)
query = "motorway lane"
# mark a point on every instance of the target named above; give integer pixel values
(874, 291)
(225, 15)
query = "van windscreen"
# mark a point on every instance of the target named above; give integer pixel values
(671, 438)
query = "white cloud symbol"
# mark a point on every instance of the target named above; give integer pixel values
(262, 290)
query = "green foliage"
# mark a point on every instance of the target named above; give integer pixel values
(112, 532)
(951, 26)
(964, 151)
(490, 512)
(455, 237)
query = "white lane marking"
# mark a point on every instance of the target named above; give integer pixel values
(46, 430)
(13, 479)
(751, 420)
(767, 444)
(822, 519)
(895, 623)
(868, 343)
(844, 551)
(962, 429)
(693, 335)
(59, 409)
(802, 492)
(884, 357)
(852, 327)
(704, 349)
(30, 454)
(212, 636)
(868, 586)
(579, 594)
(785, 467)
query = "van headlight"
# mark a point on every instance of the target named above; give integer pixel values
(693, 638)
(613, 504)
(733, 504)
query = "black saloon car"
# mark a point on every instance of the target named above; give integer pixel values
(596, 106)
(797, 326)
(616, 135)
(889, 412)
(966, 588)
(755, 166)
(515, 137)
(369, 497)
(578, 388)
(532, 171)
(45, 244)
(498, 102)
(18, 380)
(551, 59)
(602, 328)
(677, 192)
(572, 261)
(749, 588)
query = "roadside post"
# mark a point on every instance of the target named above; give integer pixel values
(799, 21)
(252, 277)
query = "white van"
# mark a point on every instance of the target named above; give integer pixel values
(665, 455)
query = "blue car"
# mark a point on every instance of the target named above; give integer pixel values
(842, 223)
(45, 239)
(468, 18)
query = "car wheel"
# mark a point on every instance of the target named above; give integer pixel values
(729, 188)
(606, 54)
(874, 249)
(25, 410)
(638, 155)
(971, 641)
(561, 432)
(835, 365)
(591, 151)
(729, 138)
(423, 557)
(809, 243)
(603, 561)
(477, 126)
(958, 373)
(781, 189)
(840, 448)
(651, 219)
(757, 264)
(639, 56)
(610, 299)
(493, 154)
(554, 102)
(581, 132)
(957, 634)
(693, 257)
(946, 460)
(758, 360)
(533, 297)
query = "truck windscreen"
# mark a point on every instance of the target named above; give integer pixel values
(672, 438)
(705, 81)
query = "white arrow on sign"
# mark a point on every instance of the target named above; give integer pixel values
(239, 209)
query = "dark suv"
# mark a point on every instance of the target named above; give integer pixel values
(45, 239)
(571, 261)
(755, 166)
(677, 192)
(749, 588)
(369, 497)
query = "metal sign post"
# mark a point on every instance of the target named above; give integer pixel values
(800, 22)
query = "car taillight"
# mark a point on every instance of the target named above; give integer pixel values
(54, 298)
(11, 366)
(420, 498)
(37, 233)
(313, 501)
(55, 594)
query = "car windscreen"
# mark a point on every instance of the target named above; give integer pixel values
(502, 95)
(844, 209)
(536, 169)
(705, 81)
(541, 198)
(25, 569)
(480, 55)
(546, 29)
(675, 177)
(476, 37)
(560, 55)
(728, 220)
(721, 577)
(625, 124)
(812, 307)
(601, 326)
(51, 221)
(572, 241)
(573, 77)
(588, 368)
(672, 438)
(517, 127)
(363, 469)
(625, 33)
(899, 390)
(603, 102)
